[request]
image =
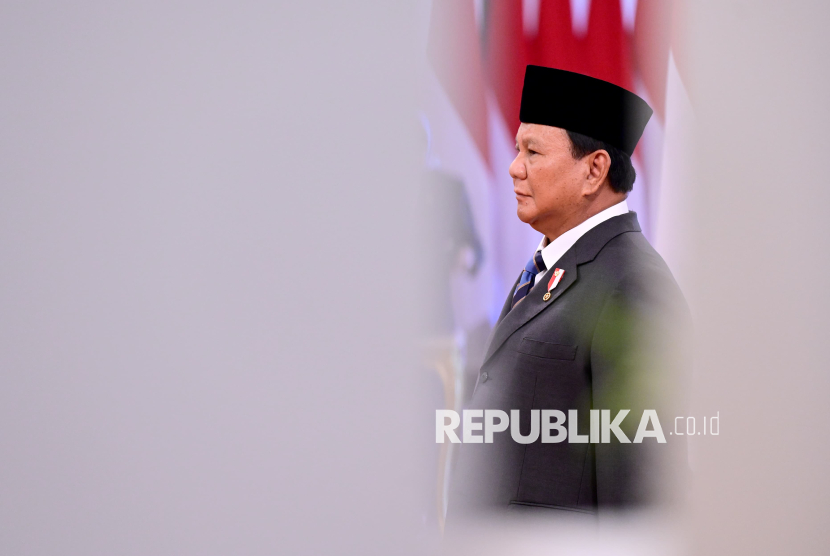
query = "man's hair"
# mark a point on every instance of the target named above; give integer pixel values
(621, 174)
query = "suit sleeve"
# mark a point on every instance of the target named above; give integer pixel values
(639, 361)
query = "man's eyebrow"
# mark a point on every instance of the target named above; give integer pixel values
(527, 141)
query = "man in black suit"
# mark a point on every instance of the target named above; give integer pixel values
(592, 327)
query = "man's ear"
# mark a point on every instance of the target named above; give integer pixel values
(599, 162)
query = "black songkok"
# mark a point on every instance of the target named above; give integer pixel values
(585, 105)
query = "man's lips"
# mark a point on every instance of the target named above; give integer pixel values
(520, 195)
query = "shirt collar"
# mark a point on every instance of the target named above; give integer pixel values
(552, 252)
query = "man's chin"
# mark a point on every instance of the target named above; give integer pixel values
(524, 215)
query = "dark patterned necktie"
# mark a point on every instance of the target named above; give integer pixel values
(532, 268)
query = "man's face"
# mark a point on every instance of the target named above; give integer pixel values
(548, 182)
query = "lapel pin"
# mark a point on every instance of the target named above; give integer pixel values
(554, 280)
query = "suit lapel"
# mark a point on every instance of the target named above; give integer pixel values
(533, 303)
(509, 301)
(504, 310)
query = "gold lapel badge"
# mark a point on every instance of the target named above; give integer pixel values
(554, 280)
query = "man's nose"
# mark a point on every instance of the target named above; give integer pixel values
(517, 168)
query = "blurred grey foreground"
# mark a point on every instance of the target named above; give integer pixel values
(205, 344)
(760, 294)
(629, 533)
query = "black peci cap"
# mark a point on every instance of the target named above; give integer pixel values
(589, 106)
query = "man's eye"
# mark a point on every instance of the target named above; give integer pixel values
(530, 151)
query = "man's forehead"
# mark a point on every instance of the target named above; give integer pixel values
(528, 133)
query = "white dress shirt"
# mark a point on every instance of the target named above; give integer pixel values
(553, 251)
